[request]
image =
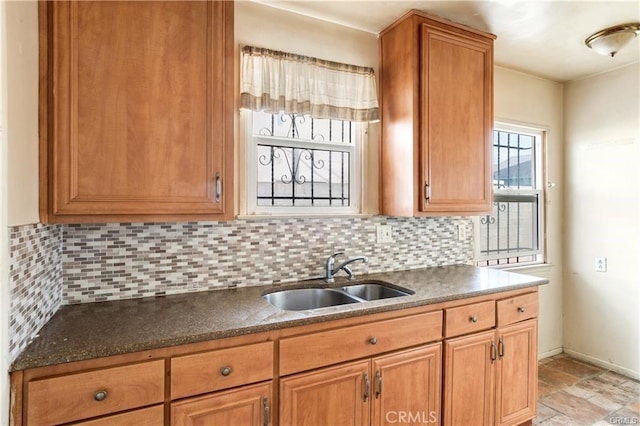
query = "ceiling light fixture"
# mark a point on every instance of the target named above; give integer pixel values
(610, 40)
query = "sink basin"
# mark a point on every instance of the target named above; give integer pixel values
(314, 298)
(308, 298)
(373, 291)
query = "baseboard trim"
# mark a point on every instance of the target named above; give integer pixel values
(547, 354)
(604, 364)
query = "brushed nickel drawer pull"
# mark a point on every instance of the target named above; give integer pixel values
(473, 318)
(100, 396)
(218, 188)
(225, 371)
(265, 411)
(379, 379)
(373, 340)
(367, 387)
(521, 309)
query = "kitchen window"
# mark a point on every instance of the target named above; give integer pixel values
(513, 232)
(304, 121)
(300, 164)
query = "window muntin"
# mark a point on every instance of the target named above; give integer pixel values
(301, 165)
(512, 233)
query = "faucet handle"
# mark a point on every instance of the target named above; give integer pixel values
(349, 271)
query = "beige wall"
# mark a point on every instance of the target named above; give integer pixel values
(19, 154)
(602, 310)
(22, 115)
(527, 100)
(4, 244)
(264, 26)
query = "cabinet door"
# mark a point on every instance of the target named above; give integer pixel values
(456, 122)
(517, 373)
(152, 416)
(337, 396)
(139, 110)
(469, 380)
(244, 406)
(406, 387)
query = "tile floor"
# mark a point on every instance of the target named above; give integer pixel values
(571, 392)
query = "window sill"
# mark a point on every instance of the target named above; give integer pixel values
(521, 267)
(267, 216)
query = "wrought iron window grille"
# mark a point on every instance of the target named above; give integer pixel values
(512, 233)
(303, 162)
(345, 128)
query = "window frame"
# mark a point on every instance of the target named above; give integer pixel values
(541, 136)
(249, 204)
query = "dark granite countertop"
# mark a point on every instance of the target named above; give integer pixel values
(80, 332)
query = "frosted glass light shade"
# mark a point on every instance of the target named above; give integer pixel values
(610, 40)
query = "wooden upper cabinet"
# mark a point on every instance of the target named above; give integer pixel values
(437, 117)
(136, 111)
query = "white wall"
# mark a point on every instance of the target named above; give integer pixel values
(22, 116)
(528, 100)
(602, 310)
(4, 244)
(263, 26)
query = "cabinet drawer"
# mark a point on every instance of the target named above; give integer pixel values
(470, 318)
(78, 396)
(518, 308)
(152, 416)
(330, 347)
(221, 369)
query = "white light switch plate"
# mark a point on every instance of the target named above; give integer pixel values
(462, 233)
(384, 234)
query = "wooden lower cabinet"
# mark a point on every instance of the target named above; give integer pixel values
(331, 396)
(517, 373)
(490, 377)
(67, 398)
(246, 406)
(469, 380)
(386, 369)
(152, 416)
(407, 387)
(403, 387)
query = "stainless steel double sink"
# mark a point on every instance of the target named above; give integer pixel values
(312, 298)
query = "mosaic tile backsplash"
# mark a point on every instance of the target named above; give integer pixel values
(122, 261)
(35, 281)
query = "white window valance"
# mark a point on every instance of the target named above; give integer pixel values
(274, 81)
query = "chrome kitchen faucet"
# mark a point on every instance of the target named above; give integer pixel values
(331, 270)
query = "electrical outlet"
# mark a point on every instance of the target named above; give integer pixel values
(601, 264)
(384, 234)
(462, 232)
